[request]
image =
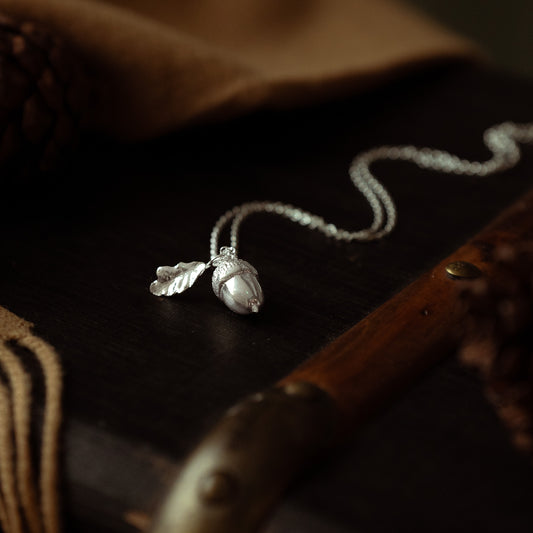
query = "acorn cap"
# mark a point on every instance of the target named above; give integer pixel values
(228, 269)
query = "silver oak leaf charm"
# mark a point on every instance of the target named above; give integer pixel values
(176, 279)
(234, 280)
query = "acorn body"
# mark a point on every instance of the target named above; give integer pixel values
(235, 283)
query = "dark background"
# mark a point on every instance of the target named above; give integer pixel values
(502, 29)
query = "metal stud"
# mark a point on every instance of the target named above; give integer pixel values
(462, 270)
(217, 488)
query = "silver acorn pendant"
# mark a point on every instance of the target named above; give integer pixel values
(234, 281)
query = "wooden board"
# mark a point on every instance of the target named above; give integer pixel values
(146, 376)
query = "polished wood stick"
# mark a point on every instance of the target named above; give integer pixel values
(414, 329)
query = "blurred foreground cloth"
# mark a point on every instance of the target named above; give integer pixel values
(160, 64)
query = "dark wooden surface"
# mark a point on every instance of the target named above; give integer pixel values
(146, 376)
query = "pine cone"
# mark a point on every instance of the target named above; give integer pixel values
(498, 339)
(43, 95)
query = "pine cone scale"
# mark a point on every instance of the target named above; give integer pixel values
(498, 340)
(43, 95)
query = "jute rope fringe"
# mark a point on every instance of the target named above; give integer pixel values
(26, 507)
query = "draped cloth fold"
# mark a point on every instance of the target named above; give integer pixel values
(160, 64)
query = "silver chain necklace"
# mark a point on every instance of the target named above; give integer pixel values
(235, 281)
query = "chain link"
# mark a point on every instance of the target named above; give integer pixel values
(502, 140)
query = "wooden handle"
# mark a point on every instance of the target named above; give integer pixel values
(410, 332)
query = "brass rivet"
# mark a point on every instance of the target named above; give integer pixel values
(462, 270)
(302, 389)
(257, 397)
(217, 488)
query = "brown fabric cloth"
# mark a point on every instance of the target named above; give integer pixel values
(12, 326)
(159, 64)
